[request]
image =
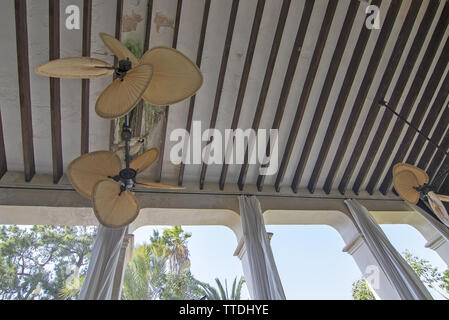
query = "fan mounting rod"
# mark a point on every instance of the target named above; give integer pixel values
(429, 187)
(128, 175)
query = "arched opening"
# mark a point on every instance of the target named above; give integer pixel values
(211, 253)
(412, 245)
(312, 264)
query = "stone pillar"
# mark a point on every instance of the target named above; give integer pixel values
(241, 253)
(126, 253)
(374, 275)
(440, 246)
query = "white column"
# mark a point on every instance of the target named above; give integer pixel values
(440, 246)
(375, 277)
(126, 253)
(242, 254)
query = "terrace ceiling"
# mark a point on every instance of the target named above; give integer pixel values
(311, 69)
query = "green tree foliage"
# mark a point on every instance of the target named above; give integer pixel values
(361, 291)
(35, 262)
(428, 274)
(222, 292)
(160, 270)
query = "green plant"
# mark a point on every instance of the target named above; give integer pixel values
(222, 292)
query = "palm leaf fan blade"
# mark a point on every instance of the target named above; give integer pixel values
(119, 98)
(113, 208)
(154, 185)
(175, 79)
(119, 49)
(407, 179)
(75, 68)
(86, 171)
(144, 161)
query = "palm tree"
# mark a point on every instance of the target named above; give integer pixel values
(143, 276)
(161, 269)
(222, 292)
(172, 245)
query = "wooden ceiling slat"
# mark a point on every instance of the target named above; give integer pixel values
(55, 92)
(85, 85)
(412, 95)
(3, 163)
(400, 85)
(341, 102)
(443, 182)
(118, 35)
(24, 88)
(439, 156)
(138, 111)
(324, 96)
(374, 110)
(362, 93)
(307, 89)
(146, 44)
(244, 80)
(293, 63)
(429, 123)
(437, 136)
(167, 109)
(199, 59)
(416, 121)
(221, 78)
(266, 83)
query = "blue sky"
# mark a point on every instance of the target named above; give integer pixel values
(310, 260)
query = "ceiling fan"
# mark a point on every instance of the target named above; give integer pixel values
(99, 176)
(164, 76)
(413, 184)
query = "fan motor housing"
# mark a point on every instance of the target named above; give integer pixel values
(128, 176)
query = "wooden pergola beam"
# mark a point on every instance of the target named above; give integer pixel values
(362, 94)
(341, 103)
(290, 74)
(85, 85)
(374, 110)
(24, 88)
(412, 95)
(167, 109)
(420, 113)
(55, 92)
(3, 162)
(400, 85)
(199, 59)
(221, 77)
(138, 112)
(244, 80)
(307, 89)
(266, 83)
(118, 36)
(325, 92)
